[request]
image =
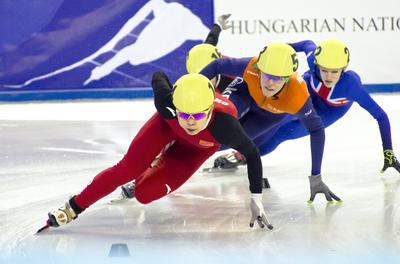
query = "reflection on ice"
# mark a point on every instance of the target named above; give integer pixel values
(205, 221)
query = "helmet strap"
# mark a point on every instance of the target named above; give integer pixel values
(217, 80)
(276, 95)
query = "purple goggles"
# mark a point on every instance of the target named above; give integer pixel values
(196, 116)
(273, 77)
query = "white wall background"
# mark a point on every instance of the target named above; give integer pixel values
(374, 46)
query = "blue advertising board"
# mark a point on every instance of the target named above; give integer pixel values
(54, 49)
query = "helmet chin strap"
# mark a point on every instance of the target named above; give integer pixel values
(217, 80)
(275, 95)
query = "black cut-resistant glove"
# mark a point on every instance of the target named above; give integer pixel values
(390, 161)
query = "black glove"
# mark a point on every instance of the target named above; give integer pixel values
(318, 186)
(223, 21)
(390, 161)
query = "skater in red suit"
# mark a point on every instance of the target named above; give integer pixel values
(189, 126)
(197, 58)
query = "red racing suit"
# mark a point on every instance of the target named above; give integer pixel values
(162, 156)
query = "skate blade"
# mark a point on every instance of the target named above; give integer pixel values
(118, 200)
(43, 228)
(218, 170)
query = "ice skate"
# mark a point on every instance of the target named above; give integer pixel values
(227, 163)
(127, 193)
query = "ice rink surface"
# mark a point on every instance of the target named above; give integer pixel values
(52, 150)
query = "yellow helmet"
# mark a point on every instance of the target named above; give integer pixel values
(332, 54)
(278, 59)
(200, 56)
(193, 93)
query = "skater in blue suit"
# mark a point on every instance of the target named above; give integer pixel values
(333, 90)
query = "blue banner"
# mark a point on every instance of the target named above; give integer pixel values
(56, 45)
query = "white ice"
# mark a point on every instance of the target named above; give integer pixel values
(52, 150)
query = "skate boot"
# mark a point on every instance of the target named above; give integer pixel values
(63, 215)
(128, 190)
(127, 193)
(230, 160)
(226, 163)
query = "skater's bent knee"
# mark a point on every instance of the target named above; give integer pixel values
(143, 199)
